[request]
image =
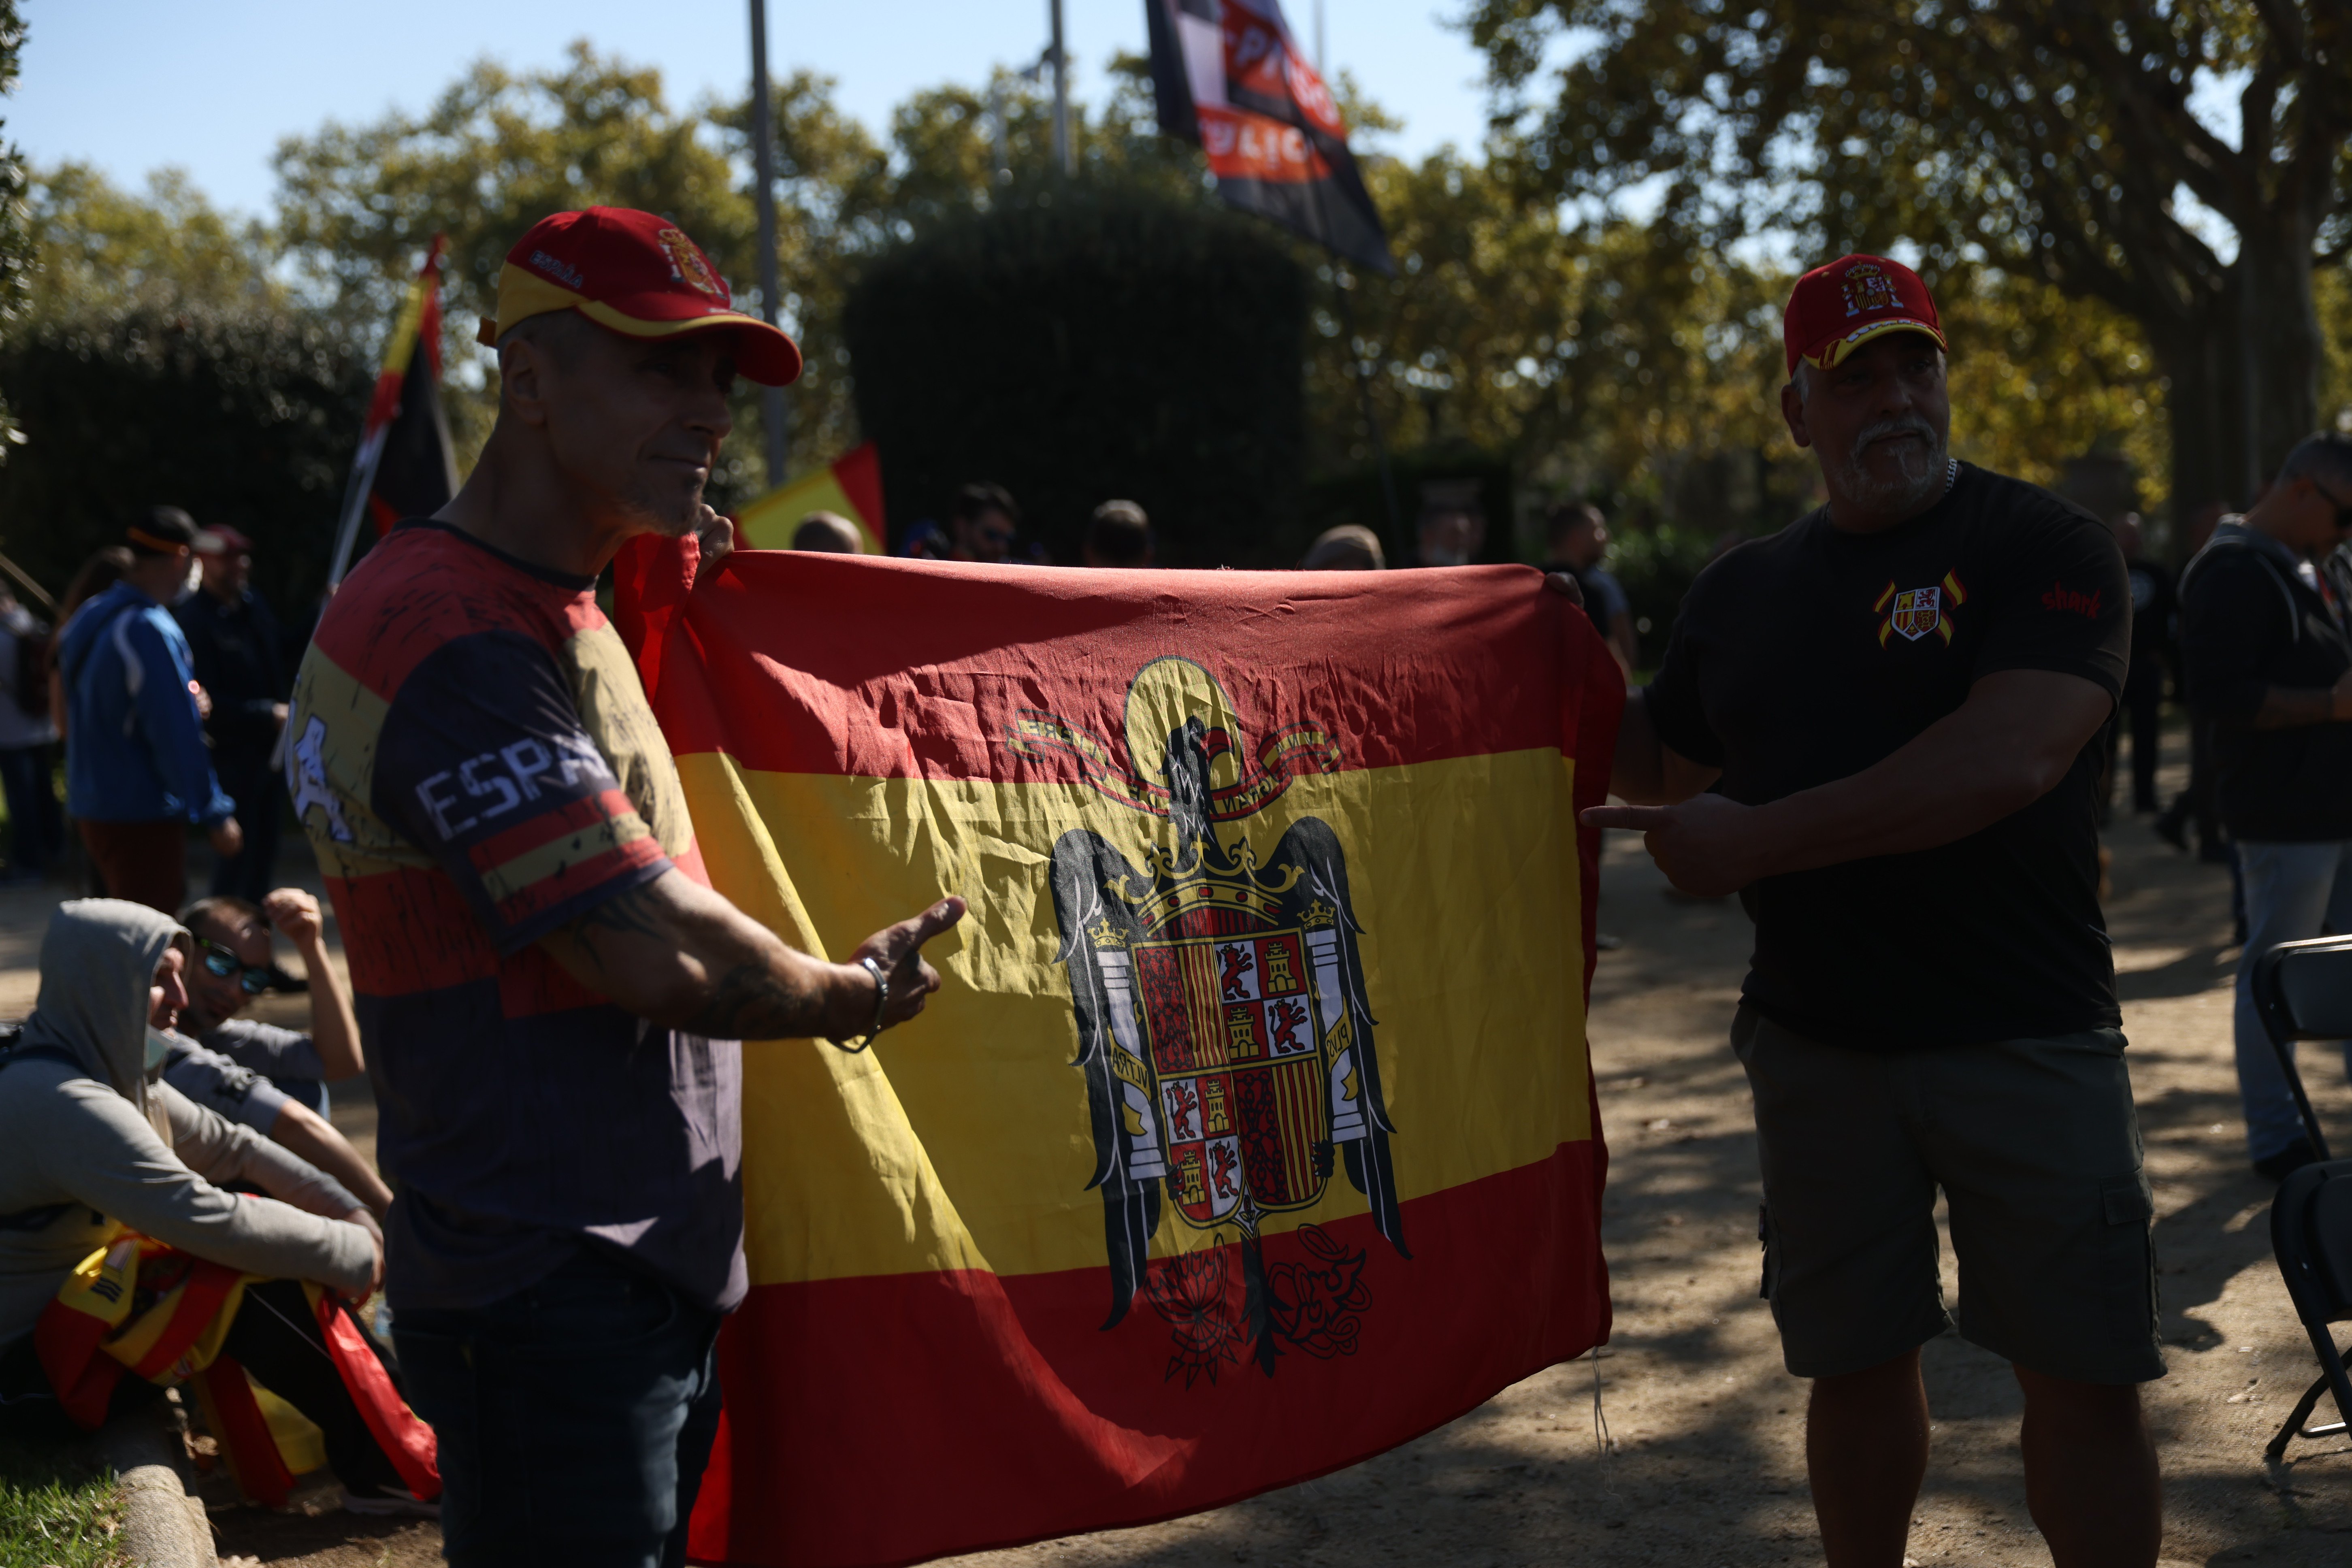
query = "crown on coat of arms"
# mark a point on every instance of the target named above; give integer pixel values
(1316, 915)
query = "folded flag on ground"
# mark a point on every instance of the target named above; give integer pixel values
(1253, 1132)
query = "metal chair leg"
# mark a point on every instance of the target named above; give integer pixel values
(2302, 1407)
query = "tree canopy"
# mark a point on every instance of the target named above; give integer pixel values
(2053, 145)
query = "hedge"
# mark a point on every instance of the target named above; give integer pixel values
(1077, 344)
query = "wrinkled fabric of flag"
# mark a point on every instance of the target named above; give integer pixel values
(1252, 1131)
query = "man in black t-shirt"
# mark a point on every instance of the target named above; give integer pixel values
(1881, 727)
(2270, 671)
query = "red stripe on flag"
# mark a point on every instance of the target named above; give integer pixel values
(1037, 1422)
(911, 680)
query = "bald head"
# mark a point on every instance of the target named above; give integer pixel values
(830, 532)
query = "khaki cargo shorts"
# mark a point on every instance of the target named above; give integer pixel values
(2036, 1148)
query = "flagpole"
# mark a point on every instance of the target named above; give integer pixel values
(774, 415)
(1062, 157)
(1342, 284)
(347, 532)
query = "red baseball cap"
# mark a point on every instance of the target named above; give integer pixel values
(639, 275)
(1836, 308)
(220, 538)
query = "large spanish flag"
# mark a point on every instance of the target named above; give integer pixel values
(1251, 1132)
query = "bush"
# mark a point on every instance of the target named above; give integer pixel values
(1656, 566)
(1081, 343)
(247, 416)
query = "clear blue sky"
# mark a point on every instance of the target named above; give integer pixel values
(132, 84)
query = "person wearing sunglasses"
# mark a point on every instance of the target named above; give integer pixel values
(259, 1074)
(2269, 666)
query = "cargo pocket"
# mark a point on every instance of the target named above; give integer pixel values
(2128, 1258)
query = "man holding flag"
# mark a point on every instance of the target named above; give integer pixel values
(552, 997)
(1880, 728)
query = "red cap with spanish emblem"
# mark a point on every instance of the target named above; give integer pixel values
(639, 275)
(1835, 309)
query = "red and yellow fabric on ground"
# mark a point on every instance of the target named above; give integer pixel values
(1251, 1132)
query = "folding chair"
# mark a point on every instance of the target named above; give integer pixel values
(2303, 991)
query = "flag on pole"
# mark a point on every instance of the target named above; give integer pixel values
(1228, 74)
(406, 466)
(1252, 1132)
(850, 486)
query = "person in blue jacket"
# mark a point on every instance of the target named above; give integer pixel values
(138, 770)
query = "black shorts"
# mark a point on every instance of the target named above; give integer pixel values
(2036, 1147)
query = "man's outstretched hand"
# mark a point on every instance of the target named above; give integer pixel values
(1706, 845)
(898, 948)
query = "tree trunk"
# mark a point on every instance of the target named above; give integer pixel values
(2279, 344)
(2203, 371)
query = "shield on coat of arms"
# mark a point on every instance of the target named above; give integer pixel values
(1222, 1021)
(1917, 611)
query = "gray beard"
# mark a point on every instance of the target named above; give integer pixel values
(1914, 486)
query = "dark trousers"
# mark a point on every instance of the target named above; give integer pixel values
(36, 824)
(276, 1339)
(259, 794)
(575, 1417)
(143, 862)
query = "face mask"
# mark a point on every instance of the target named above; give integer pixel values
(159, 1047)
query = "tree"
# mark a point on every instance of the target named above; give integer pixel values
(15, 242)
(357, 205)
(97, 246)
(2045, 139)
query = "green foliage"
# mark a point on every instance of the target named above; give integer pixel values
(245, 415)
(99, 247)
(16, 239)
(1656, 566)
(1082, 343)
(2046, 142)
(55, 1513)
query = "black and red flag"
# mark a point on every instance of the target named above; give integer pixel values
(405, 467)
(1228, 75)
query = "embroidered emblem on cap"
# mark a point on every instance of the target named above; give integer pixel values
(1868, 288)
(686, 263)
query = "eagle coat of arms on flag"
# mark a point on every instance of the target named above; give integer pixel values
(1222, 1025)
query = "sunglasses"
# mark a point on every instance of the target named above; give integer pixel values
(222, 964)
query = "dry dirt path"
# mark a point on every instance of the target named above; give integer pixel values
(1707, 1469)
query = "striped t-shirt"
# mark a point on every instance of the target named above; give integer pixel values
(472, 755)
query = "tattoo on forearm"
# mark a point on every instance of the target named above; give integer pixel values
(753, 1002)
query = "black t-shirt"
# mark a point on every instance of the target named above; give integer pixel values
(1808, 657)
(2251, 620)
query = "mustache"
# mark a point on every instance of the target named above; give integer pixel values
(1885, 429)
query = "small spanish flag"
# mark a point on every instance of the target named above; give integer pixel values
(1253, 1132)
(849, 487)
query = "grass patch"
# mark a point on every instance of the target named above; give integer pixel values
(56, 1512)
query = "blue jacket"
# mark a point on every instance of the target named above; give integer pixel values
(135, 749)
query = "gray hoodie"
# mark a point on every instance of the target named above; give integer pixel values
(86, 1146)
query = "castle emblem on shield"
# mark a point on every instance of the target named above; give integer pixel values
(1223, 1028)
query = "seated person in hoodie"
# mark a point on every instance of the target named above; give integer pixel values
(92, 1143)
(258, 1075)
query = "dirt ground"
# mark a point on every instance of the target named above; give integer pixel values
(1707, 1465)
